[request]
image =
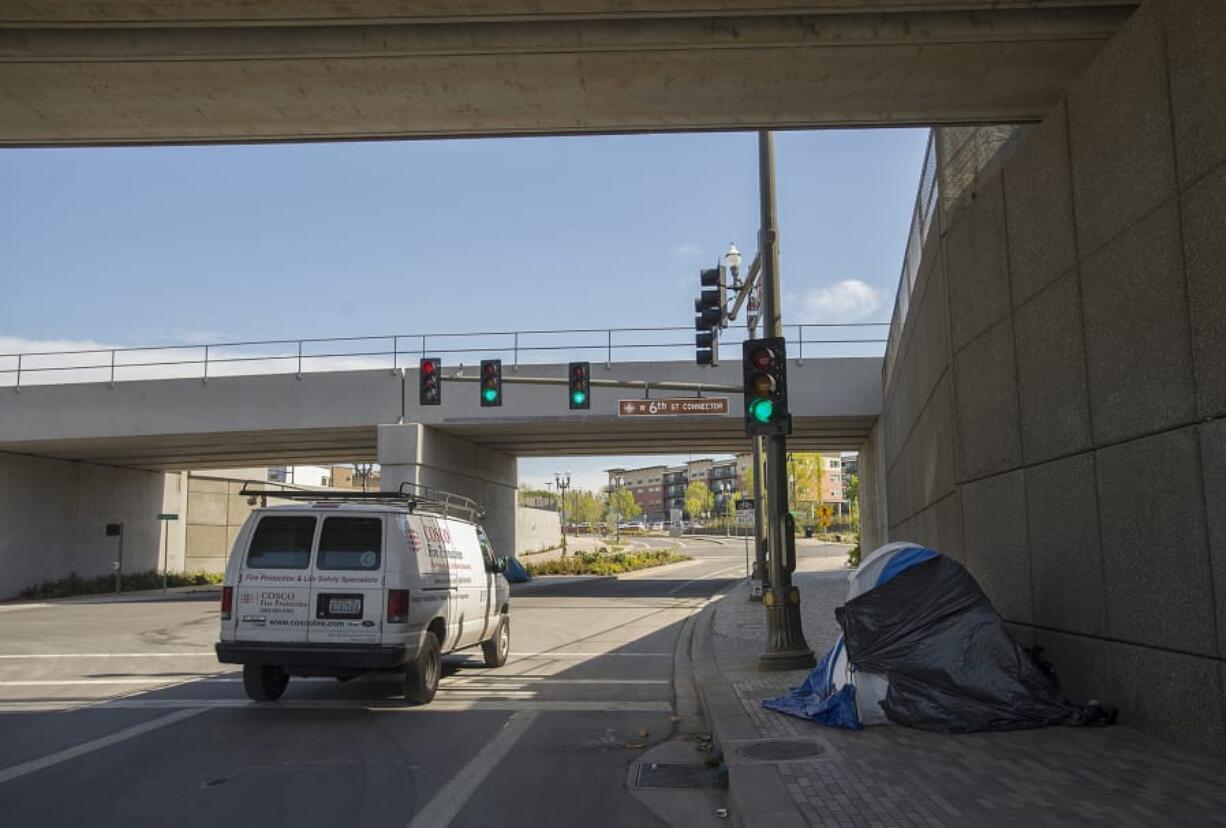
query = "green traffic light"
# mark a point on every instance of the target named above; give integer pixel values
(762, 409)
(578, 397)
(489, 394)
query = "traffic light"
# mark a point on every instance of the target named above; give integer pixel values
(709, 316)
(764, 368)
(430, 381)
(580, 374)
(491, 382)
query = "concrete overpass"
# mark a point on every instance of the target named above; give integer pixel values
(123, 72)
(173, 424)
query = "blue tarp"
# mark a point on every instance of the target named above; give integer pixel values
(516, 574)
(817, 699)
(903, 561)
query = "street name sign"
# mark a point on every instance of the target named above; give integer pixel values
(744, 512)
(688, 406)
(167, 516)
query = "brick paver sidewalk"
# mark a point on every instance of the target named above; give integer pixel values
(895, 776)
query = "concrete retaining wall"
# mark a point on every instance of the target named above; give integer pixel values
(215, 513)
(54, 515)
(1057, 416)
(536, 529)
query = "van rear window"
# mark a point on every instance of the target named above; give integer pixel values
(282, 542)
(350, 543)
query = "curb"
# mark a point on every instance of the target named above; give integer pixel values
(756, 793)
(135, 596)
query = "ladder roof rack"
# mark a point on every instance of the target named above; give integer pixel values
(413, 496)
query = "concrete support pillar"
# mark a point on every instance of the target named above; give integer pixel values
(419, 454)
(874, 523)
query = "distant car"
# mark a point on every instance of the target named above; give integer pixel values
(656, 524)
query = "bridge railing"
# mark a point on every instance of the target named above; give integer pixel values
(396, 351)
(927, 202)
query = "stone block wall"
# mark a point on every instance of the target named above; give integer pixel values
(215, 514)
(1056, 416)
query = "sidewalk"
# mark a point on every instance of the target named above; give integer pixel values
(896, 776)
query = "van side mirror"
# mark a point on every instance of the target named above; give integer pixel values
(500, 564)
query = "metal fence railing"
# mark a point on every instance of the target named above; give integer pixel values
(927, 202)
(515, 348)
(953, 161)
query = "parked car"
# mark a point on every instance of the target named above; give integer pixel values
(345, 588)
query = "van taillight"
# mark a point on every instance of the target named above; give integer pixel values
(397, 606)
(227, 602)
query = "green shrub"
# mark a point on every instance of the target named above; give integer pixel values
(853, 556)
(74, 584)
(604, 562)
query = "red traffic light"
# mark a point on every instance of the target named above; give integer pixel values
(762, 358)
(427, 366)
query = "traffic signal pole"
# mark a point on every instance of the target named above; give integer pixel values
(786, 648)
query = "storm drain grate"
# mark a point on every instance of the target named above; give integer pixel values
(780, 750)
(662, 775)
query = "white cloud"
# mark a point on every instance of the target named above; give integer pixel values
(851, 300)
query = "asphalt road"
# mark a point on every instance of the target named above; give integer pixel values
(118, 714)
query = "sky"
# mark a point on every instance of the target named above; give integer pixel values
(186, 245)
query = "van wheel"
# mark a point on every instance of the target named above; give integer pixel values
(264, 682)
(498, 648)
(421, 677)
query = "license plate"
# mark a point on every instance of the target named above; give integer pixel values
(339, 606)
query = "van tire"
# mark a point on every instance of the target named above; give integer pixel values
(264, 682)
(498, 647)
(422, 676)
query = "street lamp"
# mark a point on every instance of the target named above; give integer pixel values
(562, 481)
(732, 260)
(615, 484)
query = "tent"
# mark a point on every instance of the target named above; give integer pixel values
(922, 646)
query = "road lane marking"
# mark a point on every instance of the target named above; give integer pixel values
(449, 800)
(706, 577)
(496, 682)
(549, 654)
(439, 705)
(34, 765)
(106, 655)
(493, 681)
(15, 607)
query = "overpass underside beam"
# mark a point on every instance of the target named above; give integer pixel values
(135, 80)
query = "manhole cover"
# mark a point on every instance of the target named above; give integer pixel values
(780, 750)
(662, 775)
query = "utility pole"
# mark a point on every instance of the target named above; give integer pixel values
(786, 648)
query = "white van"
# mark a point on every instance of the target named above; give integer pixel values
(340, 585)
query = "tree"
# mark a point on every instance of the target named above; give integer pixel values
(698, 499)
(364, 472)
(853, 500)
(805, 469)
(621, 502)
(583, 507)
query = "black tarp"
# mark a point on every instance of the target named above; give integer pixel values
(950, 662)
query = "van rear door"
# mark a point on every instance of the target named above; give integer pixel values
(273, 590)
(347, 598)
